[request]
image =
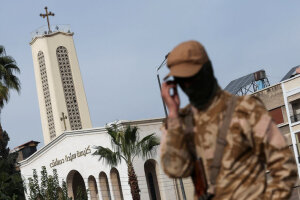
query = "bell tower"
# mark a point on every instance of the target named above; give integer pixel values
(61, 95)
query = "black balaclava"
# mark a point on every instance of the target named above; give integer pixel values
(200, 88)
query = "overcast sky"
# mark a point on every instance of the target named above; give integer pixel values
(120, 43)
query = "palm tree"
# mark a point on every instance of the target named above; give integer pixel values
(11, 183)
(127, 145)
(8, 80)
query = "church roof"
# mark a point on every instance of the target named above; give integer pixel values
(20, 147)
(30, 143)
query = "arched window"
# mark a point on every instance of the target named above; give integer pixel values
(104, 187)
(68, 87)
(93, 188)
(151, 177)
(76, 186)
(46, 92)
(116, 184)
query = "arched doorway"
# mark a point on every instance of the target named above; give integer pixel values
(76, 186)
(93, 188)
(104, 187)
(151, 177)
(116, 184)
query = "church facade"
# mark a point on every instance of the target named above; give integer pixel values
(70, 139)
(71, 155)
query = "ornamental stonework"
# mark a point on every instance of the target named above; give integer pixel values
(68, 87)
(46, 93)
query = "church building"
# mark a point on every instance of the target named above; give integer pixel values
(69, 137)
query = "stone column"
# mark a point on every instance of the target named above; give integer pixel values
(99, 188)
(86, 182)
(112, 197)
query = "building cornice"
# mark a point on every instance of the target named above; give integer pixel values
(277, 84)
(99, 130)
(145, 122)
(50, 35)
(266, 88)
(290, 79)
(61, 137)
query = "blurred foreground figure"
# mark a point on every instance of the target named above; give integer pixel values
(226, 143)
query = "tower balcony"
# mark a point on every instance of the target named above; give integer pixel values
(44, 30)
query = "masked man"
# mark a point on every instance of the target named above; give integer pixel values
(251, 146)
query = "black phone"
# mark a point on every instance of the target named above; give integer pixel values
(172, 90)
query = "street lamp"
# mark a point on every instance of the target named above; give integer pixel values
(166, 114)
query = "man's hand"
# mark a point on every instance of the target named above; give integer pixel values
(172, 101)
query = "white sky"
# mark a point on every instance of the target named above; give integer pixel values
(120, 43)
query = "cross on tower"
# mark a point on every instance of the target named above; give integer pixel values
(63, 118)
(47, 15)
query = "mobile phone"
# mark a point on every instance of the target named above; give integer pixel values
(173, 90)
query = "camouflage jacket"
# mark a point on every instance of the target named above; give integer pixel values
(254, 146)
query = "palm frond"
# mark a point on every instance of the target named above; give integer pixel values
(12, 82)
(2, 70)
(4, 95)
(148, 145)
(2, 50)
(111, 158)
(116, 136)
(7, 60)
(12, 68)
(126, 145)
(131, 137)
(8, 80)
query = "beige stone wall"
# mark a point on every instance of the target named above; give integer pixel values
(285, 129)
(48, 46)
(41, 45)
(293, 97)
(292, 84)
(285, 117)
(296, 128)
(104, 187)
(116, 184)
(93, 191)
(273, 93)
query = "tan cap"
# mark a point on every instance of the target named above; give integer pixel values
(186, 59)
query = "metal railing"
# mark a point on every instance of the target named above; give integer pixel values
(295, 118)
(54, 28)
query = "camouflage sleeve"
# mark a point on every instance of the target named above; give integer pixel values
(175, 158)
(270, 145)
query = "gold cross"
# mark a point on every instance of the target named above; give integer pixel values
(63, 118)
(47, 15)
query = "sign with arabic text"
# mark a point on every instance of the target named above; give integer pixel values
(70, 157)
